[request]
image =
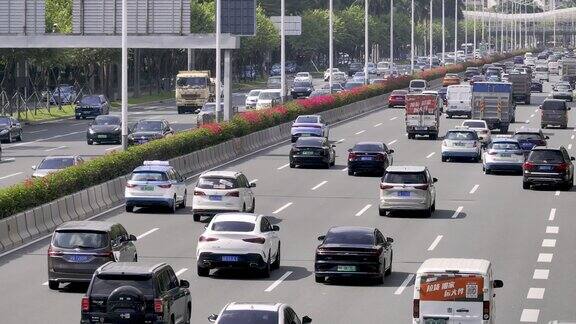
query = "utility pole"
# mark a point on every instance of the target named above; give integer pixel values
(366, 54)
(282, 51)
(218, 61)
(431, 34)
(443, 34)
(330, 45)
(392, 32)
(412, 40)
(124, 75)
(455, 30)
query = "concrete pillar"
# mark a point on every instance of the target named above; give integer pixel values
(227, 85)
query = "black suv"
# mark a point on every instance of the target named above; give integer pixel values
(124, 292)
(548, 166)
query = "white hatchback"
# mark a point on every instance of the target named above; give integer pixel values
(239, 241)
(222, 191)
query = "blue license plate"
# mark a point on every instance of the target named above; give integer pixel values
(215, 198)
(366, 158)
(230, 258)
(78, 258)
(403, 193)
(545, 168)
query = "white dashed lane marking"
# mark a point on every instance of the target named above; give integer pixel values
(548, 242)
(473, 190)
(377, 124)
(282, 167)
(279, 281)
(541, 274)
(282, 208)
(552, 214)
(529, 315)
(535, 293)
(393, 118)
(435, 243)
(430, 155)
(404, 284)
(11, 175)
(552, 229)
(181, 271)
(364, 209)
(319, 185)
(545, 257)
(392, 142)
(360, 132)
(143, 235)
(458, 211)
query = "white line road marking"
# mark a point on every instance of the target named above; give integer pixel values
(363, 210)
(319, 185)
(279, 281)
(572, 137)
(393, 118)
(430, 155)
(535, 293)
(282, 167)
(254, 181)
(531, 115)
(143, 235)
(394, 141)
(557, 193)
(569, 146)
(7, 160)
(11, 175)
(404, 284)
(552, 214)
(345, 169)
(458, 211)
(435, 243)
(282, 208)
(55, 148)
(377, 124)
(360, 132)
(113, 148)
(45, 283)
(548, 242)
(36, 132)
(473, 190)
(529, 315)
(545, 257)
(541, 274)
(181, 271)
(76, 124)
(552, 229)
(536, 110)
(45, 139)
(340, 140)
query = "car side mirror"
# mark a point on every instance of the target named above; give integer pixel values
(306, 320)
(184, 284)
(275, 228)
(133, 238)
(333, 145)
(252, 185)
(390, 151)
(321, 237)
(547, 137)
(349, 150)
(572, 158)
(498, 284)
(389, 240)
(206, 226)
(212, 318)
(33, 167)
(434, 180)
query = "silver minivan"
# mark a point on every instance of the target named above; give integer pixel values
(554, 112)
(407, 188)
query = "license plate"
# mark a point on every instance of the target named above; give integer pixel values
(403, 193)
(78, 258)
(230, 258)
(366, 158)
(215, 198)
(346, 268)
(148, 188)
(308, 153)
(545, 168)
(421, 128)
(506, 155)
(102, 136)
(435, 320)
(458, 144)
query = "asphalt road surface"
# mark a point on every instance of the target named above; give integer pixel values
(477, 216)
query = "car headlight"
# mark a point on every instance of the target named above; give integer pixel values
(117, 129)
(446, 143)
(90, 130)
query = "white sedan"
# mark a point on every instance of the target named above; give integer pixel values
(239, 241)
(481, 129)
(327, 73)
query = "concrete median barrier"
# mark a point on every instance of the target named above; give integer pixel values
(31, 223)
(13, 231)
(21, 226)
(47, 217)
(58, 207)
(5, 240)
(39, 220)
(70, 213)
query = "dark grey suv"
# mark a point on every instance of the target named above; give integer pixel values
(548, 166)
(127, 292)
(78, 248)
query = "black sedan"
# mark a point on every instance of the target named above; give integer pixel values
(92, 106)
(301, 89)
(10, 129)
(369, 157)
(312, 151)
(536, 86)
(148, 130)
(105, 129)
(353, 252)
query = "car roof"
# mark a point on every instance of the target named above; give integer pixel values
(270, 307)
(315, 116)
(461, 130)
(224, 174)
(476, 266)
(474, 120)
(86, 226)
(52, 157)
(246, 217)
(134, 268)
(547, 148)
(368, 143)
(397, 168)
(310, 140)
(157, 168)
(348, 229)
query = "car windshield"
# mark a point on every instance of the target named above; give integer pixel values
(148, 126)
(208, 108)
(217, 183)
(254, 93)
(103, 284)
(148, 176)
(106, 120)
(461, 136)
(302, 84)
(563, 87)
(56, 163)
(417, 84)
(307, 119)
(527, 136)
(4, 121)
(474, 124)
(505, 146)
(302, 75)
(244, 316)
(80, 239)
(349, 237)
(90, 101)
(269, 95)
(405, 177)
(376, 147)
(553, 105)
(233, 226)
(309, 142)
(545, 156)
(192, 82)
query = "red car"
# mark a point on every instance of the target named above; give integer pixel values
(397, 98)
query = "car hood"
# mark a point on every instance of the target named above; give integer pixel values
(41, 173)
(105, 128)
(146, 134)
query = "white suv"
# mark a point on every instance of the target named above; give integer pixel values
(258, 313)
(407, 188)
(222, 191)
(461, 143)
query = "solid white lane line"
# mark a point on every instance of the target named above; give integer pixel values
(254, 181)
(181, 271)
(552, 214)
(345, 169)
(143, 235)
(393, 118)
(36, 132)
(56, 148)
(548, 242)
(458, 211)
(45, 283)
(535, 293)
(282, 167)
(44, 139)
(557, 193)
(340, 140)
(319, 185)
(572, 137)
(473, 190)
(377, 124)
(430, 155)
(529, 315)
(404, 284)
(11, 175)
(569, 146)
(545, 257)
(541, 274)
(435, 243)
(394, 141)
(8, 160)
(360, 132)
(365, 208)
(279, 281)
(114, 148)
(531, 115)
(76, 124)
(282, 208)
(552, 229)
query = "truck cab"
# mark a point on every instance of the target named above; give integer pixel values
(193, 90)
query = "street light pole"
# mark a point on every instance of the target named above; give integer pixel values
(124, 75)
(330, 45)
(501, 27)
(412, 40)
(391, 33)
(282, 51)
(554, 12)
(431, 17)
(475, 18)
(455, 30)
(443, 33)
(466, 31)
(489, 31)
(366, 54)
(218, 61)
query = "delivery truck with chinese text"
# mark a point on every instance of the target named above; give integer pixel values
(423, 115)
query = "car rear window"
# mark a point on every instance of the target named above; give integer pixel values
(405, 177)
(563, 87)
(217, 183)
(368, 147)
(399, 93)
(307, 119)
(309, 142)
(527, 136)
(418, 84)
(461, 136)
(350, 237)
(553, 105)
(104, 284)
(545, 156)
(80, 239)
(505, 146)
(90, 101)
(233, 226)
(149, 176)
(55, 164)
(474, 124)
(248, 317)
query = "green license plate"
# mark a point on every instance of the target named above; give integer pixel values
(346, 268)
(148, 188)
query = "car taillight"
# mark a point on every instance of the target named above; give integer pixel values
(416, 308)
(486, 310)
(199, 193)
(85, 304)
(422, 187)
(130, 185)
(203, 238)
(351, 156)
(258, 240)
(383, 186)
(379, 157)
(158, 306)
(475, 144)
(233, 194)
(104, 254)
(377, 251)
(562, 167)
(54, 253)
(529, 166)
(165, 186)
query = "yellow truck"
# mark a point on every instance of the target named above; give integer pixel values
(193, 90)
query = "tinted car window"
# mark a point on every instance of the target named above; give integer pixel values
(191, 81)
(309, 142)
(474, 124)
(104, 284)
(217, 183)
(302, 84)
(418, 84)
(545, 156)
(51, 164)
(368, 147)
(233, 226)
(80, 239)
(149, 176)
(351, 237)
(405, 177)
(248, 317)
(148, 126)
(307, 119)
(90, 101)
(106, 120)
(563, 88)
(461, 136)
(505, 146)
(553, 105)
(527, 136)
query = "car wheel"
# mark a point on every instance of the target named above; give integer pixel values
(53, 285)
(188, 314)
(350, 172)
(266, 270)
(380, 279)
(9, 137)
(327, 165)
(487, 171)
(129, 209)
(20, 137)
(428, 212)
(253, 205)
(319, 279)
(203, 272)
(89, 142)
(244, 208)
(77, 117)
(444, 159)
(276, 264)
(333, 163)
(196, 217)
(525, 185)
(433, 207)
(173, 205)
(448, 116)
(389, 270)
(135, 259)
(382, 212)
(292, 165)
(183, 203)
(568, 185)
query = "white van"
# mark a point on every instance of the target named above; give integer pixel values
(417, 85)
(455, 291)
(553, 67)
(459, 100)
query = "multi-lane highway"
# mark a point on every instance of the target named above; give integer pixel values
(527, 234)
